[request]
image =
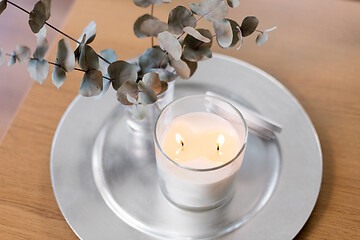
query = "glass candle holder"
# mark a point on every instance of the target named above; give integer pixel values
(199, 144)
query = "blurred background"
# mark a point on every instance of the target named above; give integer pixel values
(14, 30)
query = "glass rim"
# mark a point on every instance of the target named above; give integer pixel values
(202, 169)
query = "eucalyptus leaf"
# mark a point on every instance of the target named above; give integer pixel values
(131, 99)
(233, 3)
(169, 43)
(21, 54)
(91, 84)
(3, 5)
(146, 94)
(108, 54)
(164, 75)
(121, 72)
(193, 32)
(138, 24)
(88, 34)
(38, 70)
(195, 8)
(181, 68)
(235, 28)
(41, 48)
(191, 65)
(129, 88)
(262, 38)
(194, 43)
(41, 33)
(152, 27)
(152, 80)
(179, 18)
(151, 59)
(213, 10)
(58, 76)
(2, 56)
(47, 6)
(65, 56)
(37, 17)
(146, 3)
(12, 60)
(88, 59)
(239, 34)
(249, 25)
(164, 87)
(195, 55)
(224, 33)
(106, 85)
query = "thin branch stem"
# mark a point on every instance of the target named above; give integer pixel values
(162, 58)
(152, 14)
(54, 28)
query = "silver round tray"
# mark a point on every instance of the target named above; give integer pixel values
(105, 181)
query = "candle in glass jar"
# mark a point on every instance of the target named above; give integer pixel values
(201, 144)
(201, 140)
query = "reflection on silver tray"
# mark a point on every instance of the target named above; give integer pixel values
(105, 180)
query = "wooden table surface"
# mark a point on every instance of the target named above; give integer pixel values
(315, 53)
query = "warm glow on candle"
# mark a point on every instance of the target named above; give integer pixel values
(179, 139)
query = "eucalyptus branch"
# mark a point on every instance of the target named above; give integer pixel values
(162, 58)
(54, 28)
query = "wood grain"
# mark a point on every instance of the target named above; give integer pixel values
(314, 53)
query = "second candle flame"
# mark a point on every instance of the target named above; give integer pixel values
(220, 142)
(180, 140)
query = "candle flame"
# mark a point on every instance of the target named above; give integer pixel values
(220, 142)
(179, 139)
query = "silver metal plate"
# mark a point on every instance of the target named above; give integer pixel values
(105, 181)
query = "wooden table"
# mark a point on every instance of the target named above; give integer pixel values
(314, 53)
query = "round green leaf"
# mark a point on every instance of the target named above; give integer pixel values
(152, 27)
(129, 88)
(65, 57)
(121, 72)
(181, 68)
(195, 55)
(88, 59)
(3, 5)
(88, 34)
(91, 84)
(12, 60)
(38, 70)
(151, 59)
(146, 3)
(249, 25)
(194, 43)
(179, 18)
(191, 65)
(233, 3)
(169, 43)
(47, 7)
(41, 48)
(195, 8)
(37, 17)
(193, 32)
(138, 24)
(58, 76)
(224, 33)
(108, 54)
(262, 38)
(164, 75)
(213, 10)
(146, 94)
(22, 53)
(152, 80)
